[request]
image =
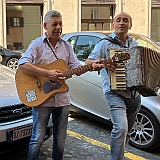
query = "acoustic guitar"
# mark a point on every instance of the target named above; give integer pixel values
(34, 90)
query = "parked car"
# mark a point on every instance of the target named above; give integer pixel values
(10, 58)
(88, 99)
(15, 117)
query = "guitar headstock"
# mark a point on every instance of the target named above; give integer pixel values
(121, 56)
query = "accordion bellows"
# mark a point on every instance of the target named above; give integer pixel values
(141, 72)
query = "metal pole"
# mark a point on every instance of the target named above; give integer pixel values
(3, 24)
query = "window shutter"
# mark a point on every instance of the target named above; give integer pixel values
(21, 22)
(11, 22)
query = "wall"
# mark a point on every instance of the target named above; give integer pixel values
(70, 11)
(140, 11)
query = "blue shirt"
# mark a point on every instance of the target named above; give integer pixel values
(39, 52)
(101, 50)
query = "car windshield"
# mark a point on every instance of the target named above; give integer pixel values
(2, 48)
(62, 35)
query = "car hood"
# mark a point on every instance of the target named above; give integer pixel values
(8, 92)
(13, 53)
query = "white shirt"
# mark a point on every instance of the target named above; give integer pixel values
(39, 52)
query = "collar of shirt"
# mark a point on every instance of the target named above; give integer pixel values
(44, 37)
(128, 40)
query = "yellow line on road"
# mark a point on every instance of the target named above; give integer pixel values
(103, 145)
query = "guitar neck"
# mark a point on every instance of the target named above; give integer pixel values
(83, 69)
(78, 70)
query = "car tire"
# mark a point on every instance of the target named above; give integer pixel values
(145, 131)
(12, 63)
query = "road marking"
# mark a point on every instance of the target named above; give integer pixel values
(103, 145)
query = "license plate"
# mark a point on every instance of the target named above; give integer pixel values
(19, 133)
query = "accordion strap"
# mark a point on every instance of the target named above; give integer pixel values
(133, 95)
(115, 41)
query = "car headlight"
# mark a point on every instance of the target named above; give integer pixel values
(0, 58)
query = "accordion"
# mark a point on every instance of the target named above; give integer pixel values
(141, 72)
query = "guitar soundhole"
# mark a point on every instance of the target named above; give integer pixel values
(31, 96)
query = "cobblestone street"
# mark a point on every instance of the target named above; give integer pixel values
(87, 140)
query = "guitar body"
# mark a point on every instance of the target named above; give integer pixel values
(27, 86)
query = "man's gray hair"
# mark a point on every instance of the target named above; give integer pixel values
(50, 14)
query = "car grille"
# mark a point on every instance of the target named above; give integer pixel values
(16, 112)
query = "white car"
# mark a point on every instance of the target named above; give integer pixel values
(88, 99)
(15, 117)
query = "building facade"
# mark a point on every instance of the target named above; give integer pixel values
(22, 20)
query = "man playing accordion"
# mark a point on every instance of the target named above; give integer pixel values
(123, 104)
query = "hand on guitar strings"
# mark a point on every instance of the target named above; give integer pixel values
(56, 76)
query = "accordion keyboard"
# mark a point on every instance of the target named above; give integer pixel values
(118, 78)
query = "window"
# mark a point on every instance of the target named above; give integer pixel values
(155, 25)
(16, 22)
(85, 45)
(72, 41)
(94, 13)
(97, 16)
(17, 45)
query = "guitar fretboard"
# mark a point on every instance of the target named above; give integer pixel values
(82, 69)
(79, 70)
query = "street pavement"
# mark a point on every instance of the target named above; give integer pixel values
(86, 140)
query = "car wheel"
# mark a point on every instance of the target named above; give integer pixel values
(145, 131)
(12, 63)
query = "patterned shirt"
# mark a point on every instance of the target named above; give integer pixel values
(101, 50)
(39, 52)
